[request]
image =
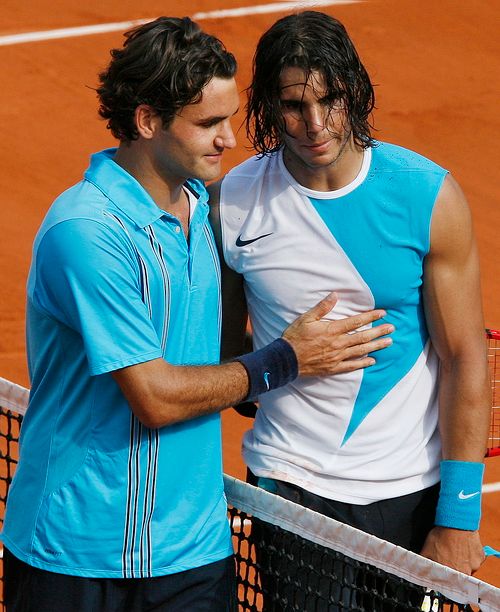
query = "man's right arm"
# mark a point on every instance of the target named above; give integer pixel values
(162, 394)
(93, 291)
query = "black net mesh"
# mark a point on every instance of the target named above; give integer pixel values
(10, 424)
(279, 571)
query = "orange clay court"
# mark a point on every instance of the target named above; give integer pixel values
(435, 66)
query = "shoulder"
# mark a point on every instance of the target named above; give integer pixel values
(394, 157)
(243, 185)
(81, 201)
(81, 256)
(407, 176)
(85, 233)
(82, 210)
(82, 248)
(250, 170)
(452, 220)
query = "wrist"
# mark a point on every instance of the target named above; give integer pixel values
(459, 503)
(269, 368)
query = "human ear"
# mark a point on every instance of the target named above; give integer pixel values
(146, 121)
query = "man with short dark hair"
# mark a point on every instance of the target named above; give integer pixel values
(323, 205)
(117, 503)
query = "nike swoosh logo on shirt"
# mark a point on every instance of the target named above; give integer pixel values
(463, 495)
(241, 243)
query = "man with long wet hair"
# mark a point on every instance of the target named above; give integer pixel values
(395, 449)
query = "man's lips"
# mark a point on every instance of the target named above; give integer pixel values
(214, 156)
(318, 146)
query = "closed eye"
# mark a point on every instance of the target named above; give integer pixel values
(291, 105)
(331, 101)
(211, 122)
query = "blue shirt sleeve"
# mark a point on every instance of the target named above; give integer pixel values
(88, 278)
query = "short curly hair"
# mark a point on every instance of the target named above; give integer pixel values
(165, 64)
(312, 41)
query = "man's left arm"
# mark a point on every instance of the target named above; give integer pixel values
(452, 298)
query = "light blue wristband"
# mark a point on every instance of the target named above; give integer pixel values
(459, 504)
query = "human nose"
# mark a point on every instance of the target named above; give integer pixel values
(225, 139)
(314, 119)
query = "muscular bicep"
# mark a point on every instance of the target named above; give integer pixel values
(452, 291)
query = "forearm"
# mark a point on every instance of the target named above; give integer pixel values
(464, 424)
(161, 394)
(464, 398)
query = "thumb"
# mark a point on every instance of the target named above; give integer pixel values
(322, 308)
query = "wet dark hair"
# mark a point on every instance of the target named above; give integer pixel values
(312, 41)
(165, 63)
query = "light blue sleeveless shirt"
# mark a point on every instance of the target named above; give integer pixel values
(361, 436)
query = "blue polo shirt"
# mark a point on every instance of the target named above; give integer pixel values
(113, 283)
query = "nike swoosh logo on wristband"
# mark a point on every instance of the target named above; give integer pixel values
(463, 495)
(242, 243)
(266, 379)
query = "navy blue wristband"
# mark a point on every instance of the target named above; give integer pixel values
(270, 367)
(459, 504)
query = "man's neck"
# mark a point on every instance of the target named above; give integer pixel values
(167, 192)
(340, 173)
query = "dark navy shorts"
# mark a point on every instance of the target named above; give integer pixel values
(404, 520)
(210, 588)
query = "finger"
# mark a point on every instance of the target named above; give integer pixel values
(351, 365)
(356, 321)
(360, 350)
(478, 561)
(368, 335)
(321, 309)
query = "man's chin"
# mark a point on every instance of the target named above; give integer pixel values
(207, 174)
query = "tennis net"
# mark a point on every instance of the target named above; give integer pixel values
(291, 559)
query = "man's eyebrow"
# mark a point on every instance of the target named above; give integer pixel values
(216, 118)
(292, 85)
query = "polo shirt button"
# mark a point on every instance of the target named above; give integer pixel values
(177, 229)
